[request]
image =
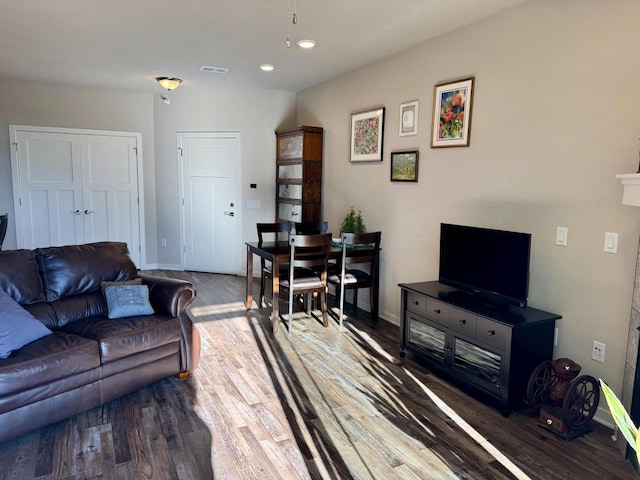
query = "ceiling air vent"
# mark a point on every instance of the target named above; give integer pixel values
(205, 68)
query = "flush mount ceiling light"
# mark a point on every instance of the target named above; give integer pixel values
(267, 67)
(307, 43)
(169, 83)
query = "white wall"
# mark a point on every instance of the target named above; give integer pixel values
(555, 118)
(256, 115)
(42, 104)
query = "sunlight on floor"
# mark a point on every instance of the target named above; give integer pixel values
(446, 409)
(233, 307)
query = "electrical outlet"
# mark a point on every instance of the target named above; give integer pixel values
(598, 351)
(163, 242)
(555, 337)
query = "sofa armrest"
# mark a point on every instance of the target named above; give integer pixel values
(170, 296)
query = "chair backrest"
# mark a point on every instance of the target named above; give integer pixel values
(311, 228)
(275, 228)
(361, 248)
(4, 221)
(310, 251)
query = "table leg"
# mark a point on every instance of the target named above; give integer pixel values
(275, 288)
(249, 288)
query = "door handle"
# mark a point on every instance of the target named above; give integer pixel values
(230, 214)
(75, 212)
(89, 212)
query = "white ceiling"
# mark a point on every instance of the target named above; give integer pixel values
(125, 44)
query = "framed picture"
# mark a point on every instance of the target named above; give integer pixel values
(367, 133)
(409, 118)
(452, 104)
(404, 166)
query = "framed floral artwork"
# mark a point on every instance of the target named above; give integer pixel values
(452, 105)
(404, 166)
(367, 133)
(409, 118)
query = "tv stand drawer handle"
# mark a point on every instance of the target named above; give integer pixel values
(437, 311)
(416, 302)
(491, 333)
(463, 322)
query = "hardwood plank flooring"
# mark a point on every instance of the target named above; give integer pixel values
(315, 403)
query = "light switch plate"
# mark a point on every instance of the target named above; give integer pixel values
(561, 236)
(611, 242)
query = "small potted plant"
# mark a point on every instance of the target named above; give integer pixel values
(353, 222)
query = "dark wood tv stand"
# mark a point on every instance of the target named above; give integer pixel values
(492, 350)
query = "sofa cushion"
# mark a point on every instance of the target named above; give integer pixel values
(122, 337)
(17, 326)
(20, 276)
(76, 269)
(127, 301)
(79, 307)
(51, 358)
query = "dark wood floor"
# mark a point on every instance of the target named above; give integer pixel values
(317, 403)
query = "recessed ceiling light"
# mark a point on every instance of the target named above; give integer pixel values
(306, 43)
(267, 67)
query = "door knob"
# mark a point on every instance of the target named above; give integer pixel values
(75, 212)
(230, 214)
(89, 212)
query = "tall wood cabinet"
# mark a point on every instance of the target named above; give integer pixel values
(299, 175)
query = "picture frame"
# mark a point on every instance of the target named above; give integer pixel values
(408, 123)
(404, 166)
(452, 109)
(367, 135)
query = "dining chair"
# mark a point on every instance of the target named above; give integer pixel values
(274, 231)
(308, 258)
(4, 222)
(359, 249)
(311, 228)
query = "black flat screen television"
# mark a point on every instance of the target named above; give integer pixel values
(491, 264)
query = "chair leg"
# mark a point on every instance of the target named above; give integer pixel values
(355, 299)
(323, 299)
(373, 300)
(341, 301)
(262, 287)
(290, 310)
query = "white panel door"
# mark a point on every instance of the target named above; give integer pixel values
(110, 190)
(50, 190)
(209, 165)
(76, 186)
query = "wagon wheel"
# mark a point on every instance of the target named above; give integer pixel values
(581, 402)
(542, 379)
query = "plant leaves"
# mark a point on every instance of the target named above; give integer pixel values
(621, 417)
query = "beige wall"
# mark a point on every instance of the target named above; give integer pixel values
(43, 104)
(555, 119)
(256, 115)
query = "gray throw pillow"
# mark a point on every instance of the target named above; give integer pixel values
(17, 326)
(127, 301)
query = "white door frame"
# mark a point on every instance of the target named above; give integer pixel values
(239, 198)
(13, 132)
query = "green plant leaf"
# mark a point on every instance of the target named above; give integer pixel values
(620, 416)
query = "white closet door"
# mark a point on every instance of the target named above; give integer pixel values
(110, 190)
(50, 190)
(76, 186)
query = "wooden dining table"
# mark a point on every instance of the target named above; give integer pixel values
(277, 253)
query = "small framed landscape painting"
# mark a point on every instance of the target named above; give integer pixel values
(367, 133)
(452, 114)
(404, 166)
(409, 118)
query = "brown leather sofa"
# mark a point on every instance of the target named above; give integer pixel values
(89, 359)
